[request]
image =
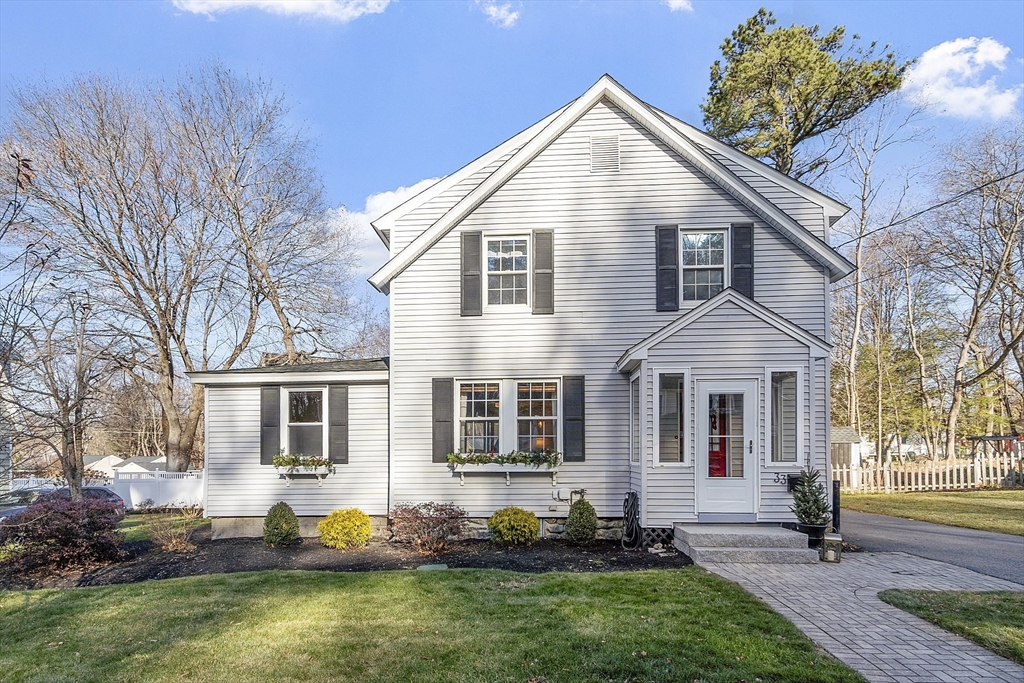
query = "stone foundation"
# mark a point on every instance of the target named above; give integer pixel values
(551, 527)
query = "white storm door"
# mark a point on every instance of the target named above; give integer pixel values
(727, 446)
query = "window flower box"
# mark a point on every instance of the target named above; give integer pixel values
(290, 466)
(512, 463)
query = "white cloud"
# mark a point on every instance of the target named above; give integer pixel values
(500, 15)
(341, 11)
(678, 5)
(949, 78)
(372, 253)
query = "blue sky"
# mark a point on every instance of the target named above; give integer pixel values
(395, 93)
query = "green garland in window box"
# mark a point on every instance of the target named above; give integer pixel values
(549, 459)
(296, 463)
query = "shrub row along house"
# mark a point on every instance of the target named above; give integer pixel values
(610, 284)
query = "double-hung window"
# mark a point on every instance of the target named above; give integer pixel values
(479, 410)
(702, 264)
(304, 410)
(508, 270)
(672, 417)
(537, 416)
(784, 418)
(506, 415)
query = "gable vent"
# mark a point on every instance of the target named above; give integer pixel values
(604, 154)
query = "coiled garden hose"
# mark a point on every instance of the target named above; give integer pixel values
(632, 534)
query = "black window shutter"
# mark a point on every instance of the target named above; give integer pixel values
(444, 414)
(337, 428)
(668, 267)
(270, 424)
(543, 272)
(472, 282)
(743, 258)
(574, 407)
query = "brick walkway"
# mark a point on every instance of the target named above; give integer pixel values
(837, 606)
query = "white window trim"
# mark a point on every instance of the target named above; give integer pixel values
(634, 447)
(657, 372)
(508, 418)
(456, 403)
(798, 464)
(324, 417)
(726, 267)
(508, 308)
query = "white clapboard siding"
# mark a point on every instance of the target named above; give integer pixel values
(604, 303)
(726, 343)
(238, 486)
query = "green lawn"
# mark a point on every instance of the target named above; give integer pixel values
(988, 510)
(994, 620)
(139, 527)
(453, 626)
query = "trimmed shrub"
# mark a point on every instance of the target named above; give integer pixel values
(428, 526)
(581, 524)
(56, 532)
(514, 526)
(345, 529)
(280, 526)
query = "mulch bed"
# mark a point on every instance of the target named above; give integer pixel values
(145, 561)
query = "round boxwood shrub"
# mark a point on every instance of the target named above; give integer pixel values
(581, 524)
(281, 526)
(514, 526)
(345, 528)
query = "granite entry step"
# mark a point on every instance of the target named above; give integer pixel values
(747, 543)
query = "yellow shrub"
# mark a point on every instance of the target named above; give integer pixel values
(514, 526)
(344, 529)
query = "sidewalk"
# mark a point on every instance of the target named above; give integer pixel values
(837, 606)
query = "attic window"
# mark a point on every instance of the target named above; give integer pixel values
(604, 154)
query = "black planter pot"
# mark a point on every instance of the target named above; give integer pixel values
(815, 533)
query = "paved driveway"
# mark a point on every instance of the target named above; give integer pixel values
(999, 555)
(837, 606)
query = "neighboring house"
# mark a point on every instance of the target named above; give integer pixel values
(612, 284)
(155, 463)
(847, 446)
(104, 464)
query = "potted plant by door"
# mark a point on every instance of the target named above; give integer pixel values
(810, 505)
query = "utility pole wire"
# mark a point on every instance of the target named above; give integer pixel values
(912, 216)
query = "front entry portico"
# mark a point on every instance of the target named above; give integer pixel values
(727, 458)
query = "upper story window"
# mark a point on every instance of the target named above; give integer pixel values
(508, 268)
(305, 422)
(702, 262)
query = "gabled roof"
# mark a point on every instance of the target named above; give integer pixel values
(638, 352)
(385, 223)
(608, 89)
(845, 435)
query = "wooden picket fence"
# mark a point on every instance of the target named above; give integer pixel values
(983, 471)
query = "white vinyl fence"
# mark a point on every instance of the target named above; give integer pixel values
(993, 471)
(161, 488)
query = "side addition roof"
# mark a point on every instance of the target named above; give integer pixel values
(608, 89)
(370, 370)
(638, 352)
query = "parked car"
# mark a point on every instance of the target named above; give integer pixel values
(16, 502)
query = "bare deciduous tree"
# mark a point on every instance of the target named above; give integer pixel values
(193, 215)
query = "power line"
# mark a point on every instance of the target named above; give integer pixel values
(912, 216)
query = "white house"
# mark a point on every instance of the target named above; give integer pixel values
(611, 284)
(103, 464)
(141, 463)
